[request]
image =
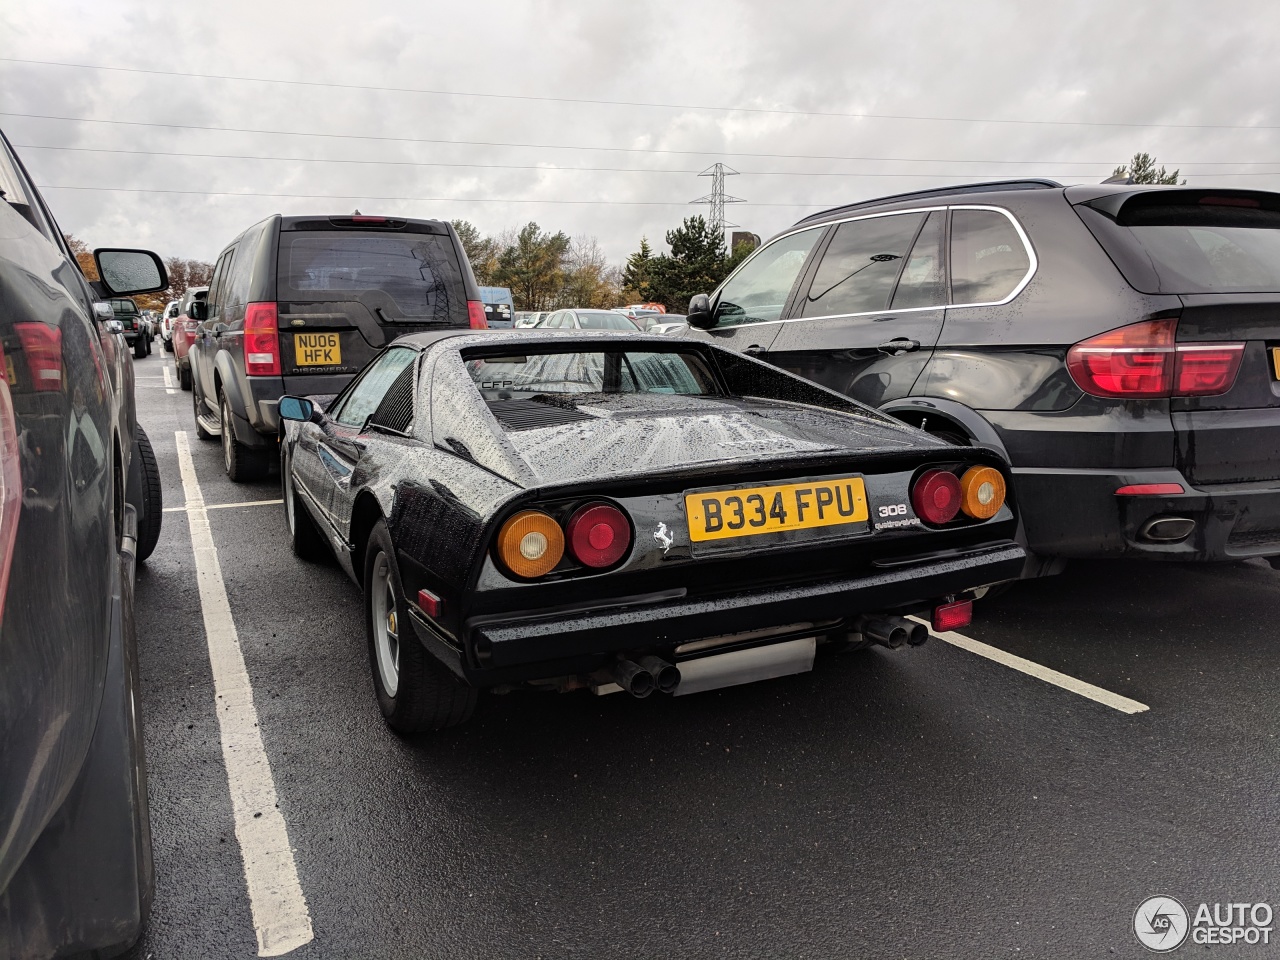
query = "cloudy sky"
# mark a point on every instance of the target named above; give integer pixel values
(594, 118)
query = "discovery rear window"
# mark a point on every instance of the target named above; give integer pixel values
(1195, 242)
(591, 372)
(411, 277)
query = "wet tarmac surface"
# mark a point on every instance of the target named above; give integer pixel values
(917, 803)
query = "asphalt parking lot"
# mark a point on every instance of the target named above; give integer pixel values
(927, 802)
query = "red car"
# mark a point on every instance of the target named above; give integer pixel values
(184, 332)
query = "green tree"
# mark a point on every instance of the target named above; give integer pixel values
(482, 251)
(533, 267)
(589, 281)
(697, 263)
(637, 275)
(1142, 169)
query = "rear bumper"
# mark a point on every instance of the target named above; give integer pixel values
(1076, 513)
(528, 646)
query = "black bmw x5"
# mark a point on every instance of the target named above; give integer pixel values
(1119, 344)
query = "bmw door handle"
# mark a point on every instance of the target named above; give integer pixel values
(754, 350)
(898, 345)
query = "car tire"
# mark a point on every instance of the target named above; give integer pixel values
(152, 512)
(243, 464)
(139, 348)
(168, 346)
(415, 691)
(184, 377)
(201, 432)
(148, 342)
(307, 542)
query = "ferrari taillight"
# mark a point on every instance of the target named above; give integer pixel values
(530, 543)
(599, 535)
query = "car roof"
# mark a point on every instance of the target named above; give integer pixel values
(935, 194)
(488, 338)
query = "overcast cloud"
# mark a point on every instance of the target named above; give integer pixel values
(1173, 64)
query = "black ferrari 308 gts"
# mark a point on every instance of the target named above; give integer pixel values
(605, 511)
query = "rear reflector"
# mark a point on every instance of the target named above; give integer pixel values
(952, 616)
(42, 351)
(475, 315)
(429, 603)
(1143, 361)
(261, 340)
(1150, 490)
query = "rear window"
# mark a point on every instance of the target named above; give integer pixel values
(589, 372)
(606, 321)
(1211, 248)
(406, 276)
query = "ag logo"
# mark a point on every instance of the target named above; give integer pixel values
(1161, 924)
(893, 510)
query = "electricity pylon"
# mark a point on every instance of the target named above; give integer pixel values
(717, 197)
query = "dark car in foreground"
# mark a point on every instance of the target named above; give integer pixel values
(299, 304)
(607, 510)
(79, 505)
(1118, 343)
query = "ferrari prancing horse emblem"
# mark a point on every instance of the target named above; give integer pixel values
(663, 536)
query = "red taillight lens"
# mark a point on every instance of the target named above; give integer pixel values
(261, 340)
(952, 616)
(1131, 362)
(42, 350)
(1143, 361)
(475, 315)
(1206, 369)
(599, 535)
(10, 482)
(936, 496)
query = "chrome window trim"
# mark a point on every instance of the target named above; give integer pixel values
(1018, 288)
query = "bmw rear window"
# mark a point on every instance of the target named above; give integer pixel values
(412, 277)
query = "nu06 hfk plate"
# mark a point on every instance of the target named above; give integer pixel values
(317, 350)
(775, 508)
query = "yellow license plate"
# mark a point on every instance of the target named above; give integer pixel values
(721, 514)
(317, 350)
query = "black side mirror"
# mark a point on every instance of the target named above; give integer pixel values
(699, 314)
(297, 408)
(126, 272)
(198, 310)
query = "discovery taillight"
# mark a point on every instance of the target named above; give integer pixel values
(10, 482)
(42, 351)
(475, 315)
(261, 340)
(1144, 361)
(599, 535)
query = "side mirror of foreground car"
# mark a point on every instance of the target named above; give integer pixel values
(126, 272)
(297, 408)
(700, 314)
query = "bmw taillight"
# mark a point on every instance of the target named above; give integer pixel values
(475, 315)
(10, 482)
(599, 535)
(42, 351)
(261, 340)
(1144, 361)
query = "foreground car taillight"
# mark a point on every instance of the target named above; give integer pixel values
(982, 492)
(936, 496)
(475, 315)
(261, 340)
(1143, 360)
(10, 482)
(599, 535)
(530, 543)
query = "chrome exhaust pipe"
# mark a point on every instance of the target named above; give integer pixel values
(893, 632)
(633, 678)
(666, 676)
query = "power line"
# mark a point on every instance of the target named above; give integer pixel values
(639, 103)
(554, 146)
(754, 173)
(353, 196)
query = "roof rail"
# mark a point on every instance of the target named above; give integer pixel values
(987, 187)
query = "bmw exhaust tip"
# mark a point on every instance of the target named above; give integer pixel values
(666, 676)
(634, 679)
(1167, 529)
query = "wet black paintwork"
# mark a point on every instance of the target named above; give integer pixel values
(996, 375)
(75, 868)
(447, 487)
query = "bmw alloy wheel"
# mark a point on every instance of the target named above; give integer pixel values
(386, 636)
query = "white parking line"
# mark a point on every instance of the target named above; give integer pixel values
(225, 506)
(1033, 669)
(280, 916)
(168, 380)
